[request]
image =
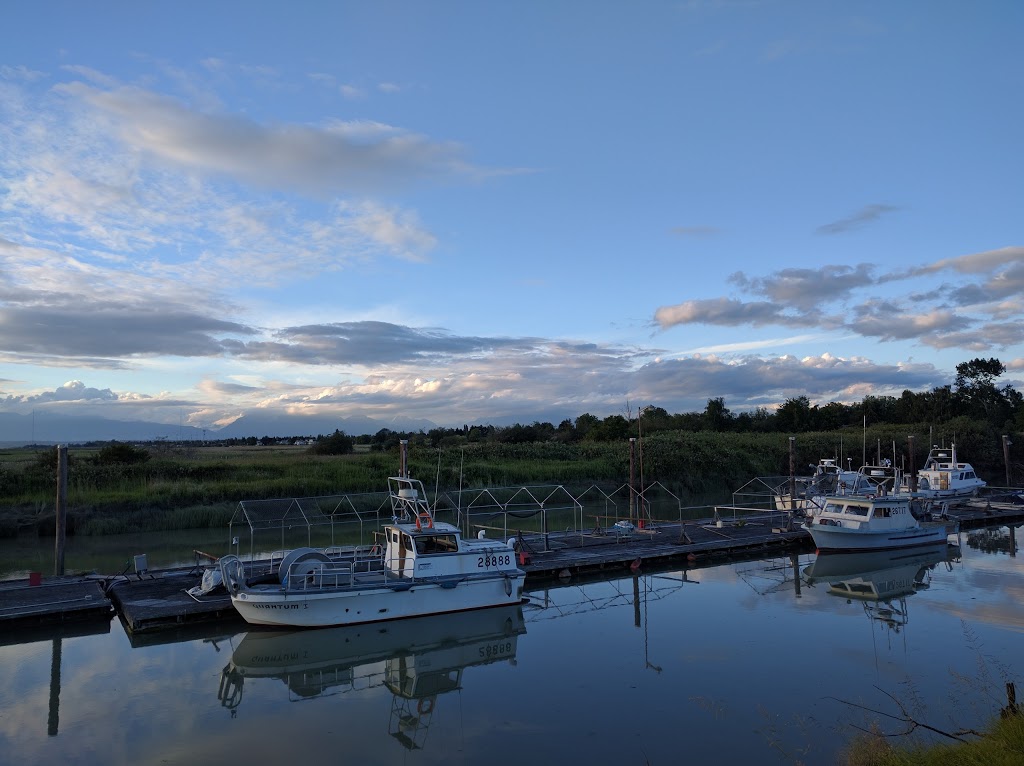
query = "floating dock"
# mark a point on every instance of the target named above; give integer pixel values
(159, 601)
(52, 601)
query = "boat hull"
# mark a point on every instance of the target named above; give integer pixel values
(281, 653)
(837, 538)
(393, 601)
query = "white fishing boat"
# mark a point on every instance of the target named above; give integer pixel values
(829, 478)
(881, 580)
(317, 662)
(878, 575)
(422, 567)
(876, 522)
(420, 661)
(945, 477)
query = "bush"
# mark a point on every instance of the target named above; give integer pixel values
(335, 444)
(122, 454)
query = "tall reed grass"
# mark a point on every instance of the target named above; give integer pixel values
(197, 486)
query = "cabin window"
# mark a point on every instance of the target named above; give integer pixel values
(833, 508)
(408, 542)
(857, 510)
(438, 544)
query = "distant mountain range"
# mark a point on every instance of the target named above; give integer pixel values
(46, 428)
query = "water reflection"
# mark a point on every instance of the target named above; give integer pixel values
(880, 580)
(418, 660)
(994, 540)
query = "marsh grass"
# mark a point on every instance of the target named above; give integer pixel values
(198, 484)
(1001, 744)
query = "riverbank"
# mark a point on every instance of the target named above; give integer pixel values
(1001, 744)
(193, 485)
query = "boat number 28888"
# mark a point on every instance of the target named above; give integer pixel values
(482, 562)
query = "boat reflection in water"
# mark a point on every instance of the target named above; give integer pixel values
(417, 659)
(880, 579)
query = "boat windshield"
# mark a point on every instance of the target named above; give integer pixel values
(437, 544)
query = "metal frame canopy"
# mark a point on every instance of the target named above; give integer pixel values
(334, 512)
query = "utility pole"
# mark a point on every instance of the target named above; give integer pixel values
(792, 473)
(1006, 457)
(913, 463)
(62, 508)
(632, 479)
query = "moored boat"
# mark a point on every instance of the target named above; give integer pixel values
(876, 522)
(829, 478)
(422, 567)
(880, 580)
(878, 574)
(943, 476)
(310, 662)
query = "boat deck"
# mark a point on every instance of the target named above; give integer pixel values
(159, 601)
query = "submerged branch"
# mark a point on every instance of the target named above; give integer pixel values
(909, 721)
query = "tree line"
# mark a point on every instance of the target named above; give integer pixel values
(974, 394)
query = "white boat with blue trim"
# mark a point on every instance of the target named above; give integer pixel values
(877, 522)
(422, 567)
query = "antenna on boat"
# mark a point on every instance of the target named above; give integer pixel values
(462, 462)
(437, 480)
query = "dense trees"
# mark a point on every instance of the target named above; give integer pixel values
(973, 395)
(335, 444)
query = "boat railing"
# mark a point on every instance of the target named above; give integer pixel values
(322, 576)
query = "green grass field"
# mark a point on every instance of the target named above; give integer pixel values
(194, 486)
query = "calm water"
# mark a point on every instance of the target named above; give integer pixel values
(739, 663)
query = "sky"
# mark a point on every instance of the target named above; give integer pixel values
(469, 212)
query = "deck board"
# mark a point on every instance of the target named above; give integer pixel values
(59, 600)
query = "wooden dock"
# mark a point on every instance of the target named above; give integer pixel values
(161, 601)
(54, 601)
(569, 554)
(158, 602)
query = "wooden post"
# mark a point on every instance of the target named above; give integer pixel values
(62, 509)
(632, 479)
(794, 559)
(636, 601)
(792, 473)
(1006, 457)
(403, 458)
(913, 463)
(53, 716)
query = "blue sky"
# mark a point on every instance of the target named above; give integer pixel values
(479, 211)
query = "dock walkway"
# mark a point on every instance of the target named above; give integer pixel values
(159, 600)
(54, 600)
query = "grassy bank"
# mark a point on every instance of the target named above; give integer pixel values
(1002, 744)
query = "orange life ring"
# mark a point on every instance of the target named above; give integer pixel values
(425, 705)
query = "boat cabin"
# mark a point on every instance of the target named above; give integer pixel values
(417, 546)
(415, 552)
(862, 512)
